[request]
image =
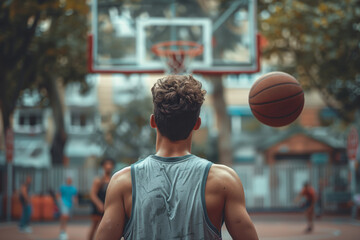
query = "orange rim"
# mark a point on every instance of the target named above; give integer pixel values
(162, 49)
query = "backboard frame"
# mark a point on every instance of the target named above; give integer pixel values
(205, 69)
(141, 39)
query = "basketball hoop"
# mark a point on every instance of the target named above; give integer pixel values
(177, 55)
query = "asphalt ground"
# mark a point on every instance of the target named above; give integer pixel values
(268, 226)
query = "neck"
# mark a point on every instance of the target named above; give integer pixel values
(107, 176)
(167, 148)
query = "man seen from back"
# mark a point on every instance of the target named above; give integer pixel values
(174, 194)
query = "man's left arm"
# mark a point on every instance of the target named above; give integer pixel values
(112, 224)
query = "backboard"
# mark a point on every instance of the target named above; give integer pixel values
(124, 32)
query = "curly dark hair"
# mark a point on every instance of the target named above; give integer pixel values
(177, 101)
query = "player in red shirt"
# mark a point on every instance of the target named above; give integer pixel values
(309, 193)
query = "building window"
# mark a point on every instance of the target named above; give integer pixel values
(82, 121)
(29, 121)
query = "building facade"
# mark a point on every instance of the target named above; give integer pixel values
(86, 115)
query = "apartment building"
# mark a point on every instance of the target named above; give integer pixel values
(89, 114)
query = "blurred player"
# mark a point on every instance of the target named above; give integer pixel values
(355, 205)
(174, 194)
(68, 196)
(309, 193)
(97, 194)
(26, 206)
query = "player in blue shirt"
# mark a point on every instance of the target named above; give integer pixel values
(68, 196)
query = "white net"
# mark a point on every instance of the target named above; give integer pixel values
(177, 63)
(177, 55)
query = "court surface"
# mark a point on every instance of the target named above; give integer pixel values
(269, 227)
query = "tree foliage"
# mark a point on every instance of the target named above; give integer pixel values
(41, 38)
(317, 41)
(42, 43)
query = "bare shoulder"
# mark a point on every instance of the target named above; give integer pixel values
(122, 176)
(223, 173)
(121, 180)
(224, 177)
(97, 181)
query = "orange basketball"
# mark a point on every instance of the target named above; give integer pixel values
(276, 99)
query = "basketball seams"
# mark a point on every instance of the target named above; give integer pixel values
(275, 85)
(267, 76)
(280, 99)
(278, 117)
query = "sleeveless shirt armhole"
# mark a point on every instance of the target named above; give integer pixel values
(203, 184)
(133, 199)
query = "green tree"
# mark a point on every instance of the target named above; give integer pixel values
(42, 45)
(318, 42)
(131, 137)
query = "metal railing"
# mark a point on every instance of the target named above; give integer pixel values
(266, 187)
(275, 187)
(52, 178)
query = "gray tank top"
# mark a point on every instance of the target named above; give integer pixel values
(168, 199)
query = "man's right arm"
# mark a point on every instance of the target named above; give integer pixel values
(237, 219)
(112, 224)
